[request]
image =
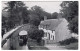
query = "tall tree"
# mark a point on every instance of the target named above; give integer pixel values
(38, 11)
(9, 8)
(34, 19)
(48, 15)
(54, 15)
(18, 12)
(70, 12)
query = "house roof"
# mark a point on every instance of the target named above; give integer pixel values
(51, 23)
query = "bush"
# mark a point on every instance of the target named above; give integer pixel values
(36, 34)
(41, 34)
(68, 41)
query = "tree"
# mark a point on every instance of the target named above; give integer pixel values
(54, 15)
(10, 6)
(4, 21)
(41, 34)
(70, 12)
(34, 19)
(48, 15)
(36, 34)
(18, 12)
(38, 11)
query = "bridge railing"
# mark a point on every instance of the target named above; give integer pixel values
(8, 35)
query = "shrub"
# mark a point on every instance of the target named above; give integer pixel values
(36, 34)
(68, 41)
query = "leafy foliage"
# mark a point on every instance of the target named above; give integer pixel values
(54, 15)
(36, 34)
(17, 13)
(68, 41)
(37, 10)
(70, 12)
(34, 19)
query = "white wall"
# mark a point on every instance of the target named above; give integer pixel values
(62, 31)
(47, 32)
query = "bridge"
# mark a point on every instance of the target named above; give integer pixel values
(10, 40)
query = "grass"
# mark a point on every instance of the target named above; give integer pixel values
(72, 46)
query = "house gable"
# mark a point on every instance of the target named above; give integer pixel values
(62, 31)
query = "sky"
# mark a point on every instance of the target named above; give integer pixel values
(47, 6)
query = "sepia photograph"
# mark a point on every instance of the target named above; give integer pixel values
(39, 25)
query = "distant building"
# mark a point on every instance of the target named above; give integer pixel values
(56, 29)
